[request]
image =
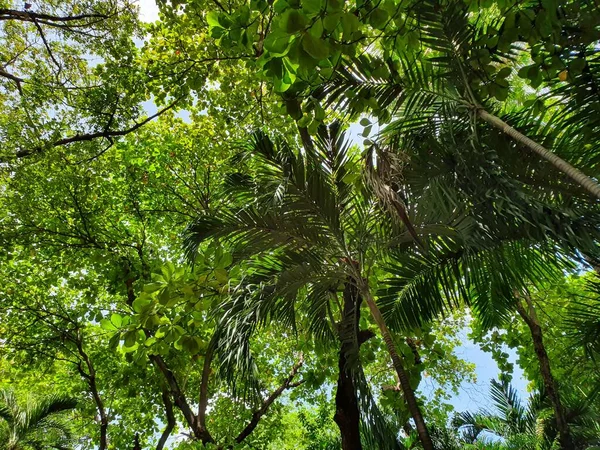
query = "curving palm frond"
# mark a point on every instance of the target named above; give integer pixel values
(36, 425)
(457, 80)
(530, 425)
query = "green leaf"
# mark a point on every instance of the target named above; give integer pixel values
(141, 304)
(316, 29)
(378, 18)
(350, 24)
(313, 127)
(222, 276)
(107, 325)
(577, 65)
(293, 21)
(312, 6)
(317, 48)
(504, 72)
(152, 287)
(292, 107)
(319, 112)
(190, 344)
(116, 319)
(130, 338)
(212, 18)
(114, 340)
(331, 21)
(164, 296)
(277, 42)
(224, 261)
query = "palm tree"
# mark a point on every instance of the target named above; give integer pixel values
(308, 228)
(530, 426)
(427, 100)
(36, 425)
(516, 210)
(452, 84)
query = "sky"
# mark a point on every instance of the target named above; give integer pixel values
(471, 395)
(148, 10)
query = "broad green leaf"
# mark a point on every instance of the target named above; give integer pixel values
(293, 21)
(317, 48)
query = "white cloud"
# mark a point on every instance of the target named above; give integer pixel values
(148, 10)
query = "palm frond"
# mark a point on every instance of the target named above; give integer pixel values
(454, 273)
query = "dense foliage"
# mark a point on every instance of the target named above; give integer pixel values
(199, 251)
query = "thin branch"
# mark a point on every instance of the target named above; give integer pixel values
(106, 134)
(176, 392)
(26, 16)
(170, 420)
(90, 377)
(287, 384)
(48, 49)
(10, 76)
(203, 402)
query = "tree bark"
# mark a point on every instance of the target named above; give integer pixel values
(530, 318)
(166, 398)
(178, 396)
(90, 377)
(575, 174)
(347, 412)
(203, 401)
(409, 394)
(136, 442)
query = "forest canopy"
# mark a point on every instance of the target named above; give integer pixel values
(258, 224)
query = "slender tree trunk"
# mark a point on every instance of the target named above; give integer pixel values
(288, 383)
(409, 394)
(90, 377)
(166, 398)
(136, 442)
(203, 401)
(575, 174)
(530, 318)
(347, 413)
(177, 395)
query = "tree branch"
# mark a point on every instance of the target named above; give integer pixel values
(287, 384)
(106, 134)
(27, 16)
(203, 402)
(10, 76)
(178, 396)
(47, 45)
(90, 377)
(166, 398)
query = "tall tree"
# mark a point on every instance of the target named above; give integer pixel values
(304, 223)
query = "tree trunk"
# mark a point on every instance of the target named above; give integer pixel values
(347, 413)
(166, 398)
(409, 394)
(203, 401)
(575, 174)
(136, 442)
(530, 318)
(177, 395)
(90, 377)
